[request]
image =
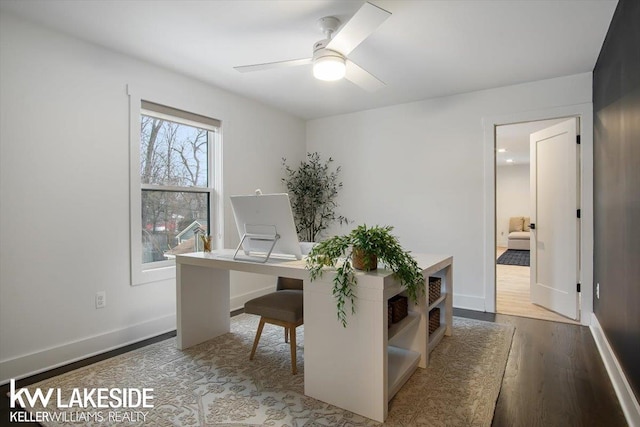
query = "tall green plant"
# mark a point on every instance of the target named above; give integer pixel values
(313, 188)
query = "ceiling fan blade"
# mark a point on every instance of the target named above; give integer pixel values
(366, 20)
(270, 65)
(362, 77)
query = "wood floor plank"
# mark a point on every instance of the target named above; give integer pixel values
(554, 377)
(512, 293)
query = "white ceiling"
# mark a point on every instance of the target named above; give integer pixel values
(425, 49)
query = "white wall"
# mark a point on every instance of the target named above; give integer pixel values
(64, 192)
(420, 167)
(512, 197)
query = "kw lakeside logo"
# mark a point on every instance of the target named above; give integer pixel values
(84, 404)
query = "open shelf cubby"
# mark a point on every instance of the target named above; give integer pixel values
(437, 302)
(403, 325)
(436, 336)
(401, 364)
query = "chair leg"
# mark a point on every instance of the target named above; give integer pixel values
(257, 339)
(286, 334)
(292, 335)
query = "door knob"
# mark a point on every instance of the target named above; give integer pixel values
(532, 226)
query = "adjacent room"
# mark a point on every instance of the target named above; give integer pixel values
(319, 212)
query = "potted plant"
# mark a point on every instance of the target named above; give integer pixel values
(362, 249)
(313, 188)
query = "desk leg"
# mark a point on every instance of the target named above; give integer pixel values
(346, 367)
(203, 306)
(448, 281)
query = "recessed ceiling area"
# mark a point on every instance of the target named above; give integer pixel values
(514, 140)
(425, 49)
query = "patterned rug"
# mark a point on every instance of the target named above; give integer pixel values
(214, 383)
(514, 257)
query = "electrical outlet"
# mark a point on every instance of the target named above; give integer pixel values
(101, 299)
(598, 290)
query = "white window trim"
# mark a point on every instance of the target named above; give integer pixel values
(165, 270)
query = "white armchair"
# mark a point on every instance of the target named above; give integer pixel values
(519, 233)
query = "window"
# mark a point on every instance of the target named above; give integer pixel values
(177, 159)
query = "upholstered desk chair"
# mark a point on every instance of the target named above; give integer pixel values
(283, 308)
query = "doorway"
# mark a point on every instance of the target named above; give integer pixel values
(513, 213)
(585, 114)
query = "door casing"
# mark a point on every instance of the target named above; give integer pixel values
(585, 113)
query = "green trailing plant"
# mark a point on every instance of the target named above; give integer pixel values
(313, 188)
(337, 253)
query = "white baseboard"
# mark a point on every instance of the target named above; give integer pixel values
(44, 360)
(625, 394)
(237, 302)
(54, 357)
(468, 302)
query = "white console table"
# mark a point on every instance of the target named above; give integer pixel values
(358, 368)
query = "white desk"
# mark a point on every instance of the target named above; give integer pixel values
(358, 368)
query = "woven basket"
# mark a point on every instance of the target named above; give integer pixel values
(435, 284)
(434, 320)
(399, 308)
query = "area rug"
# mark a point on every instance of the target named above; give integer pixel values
(514, 257)
(214, 383)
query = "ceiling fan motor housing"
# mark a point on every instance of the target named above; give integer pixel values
(320, 50)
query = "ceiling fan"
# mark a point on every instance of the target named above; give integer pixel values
(330, 55)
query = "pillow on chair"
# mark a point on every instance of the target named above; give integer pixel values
(527, 224)
(516, 223)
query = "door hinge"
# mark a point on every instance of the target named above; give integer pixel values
(579, 213)
(578, 139)
(578, 287)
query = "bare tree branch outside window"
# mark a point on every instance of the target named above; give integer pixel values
(171, 155)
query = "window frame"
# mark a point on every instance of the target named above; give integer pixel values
(142, 273)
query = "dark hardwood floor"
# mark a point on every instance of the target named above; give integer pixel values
(554, 376)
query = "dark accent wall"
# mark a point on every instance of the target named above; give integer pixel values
(616, 104)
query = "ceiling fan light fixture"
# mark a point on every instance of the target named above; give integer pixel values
(329, 68)
(330, 55)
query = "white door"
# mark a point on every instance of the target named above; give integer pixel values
(555, 261)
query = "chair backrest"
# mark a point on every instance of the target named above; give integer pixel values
(288, 283)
